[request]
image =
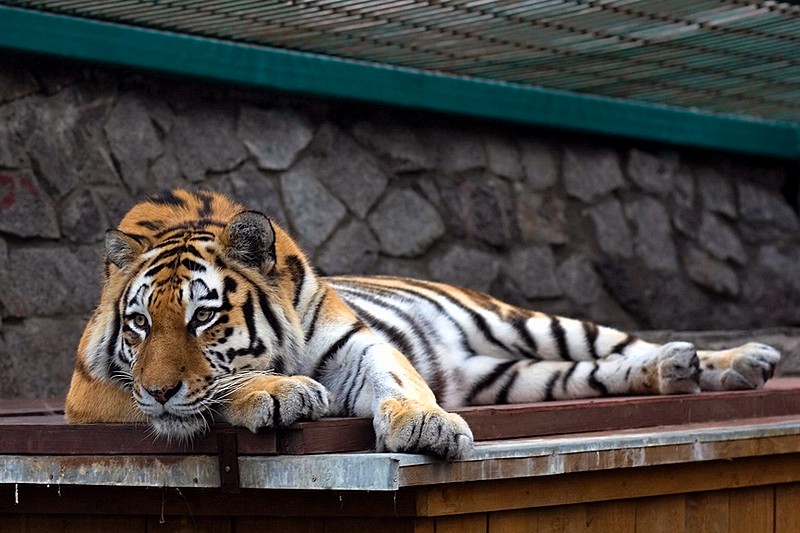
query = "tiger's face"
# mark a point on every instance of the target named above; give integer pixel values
(192, 320)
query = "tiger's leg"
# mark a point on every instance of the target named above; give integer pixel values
(669, 369)
(591, 360)
(368, 377)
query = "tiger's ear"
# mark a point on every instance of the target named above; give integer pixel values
(250, 239)
(122, 248)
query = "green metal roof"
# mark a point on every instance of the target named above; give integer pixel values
(721, 73)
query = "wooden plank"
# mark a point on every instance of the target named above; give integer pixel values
(104, 524)
(471, 523)
(36, 406)
(280, 525)
(76, 499)
(665, 514)
(487, 496)
(188, 524)
(32, 523)
(383, 525)
(787, 507)
(118, 439)
(707, 512)
(24, 431)
(752, 509)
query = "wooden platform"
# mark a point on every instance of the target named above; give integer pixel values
(710, 462)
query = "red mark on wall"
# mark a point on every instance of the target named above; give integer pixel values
(8, 194)
(10, 185)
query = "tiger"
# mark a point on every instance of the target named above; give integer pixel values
(210, 312)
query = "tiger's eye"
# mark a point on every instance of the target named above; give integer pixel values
(203, 315)
(140, 320)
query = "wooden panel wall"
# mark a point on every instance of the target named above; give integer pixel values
(772, 508)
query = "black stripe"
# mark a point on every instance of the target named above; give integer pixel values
(333, 350)
(592, 331)
(151, 225)
(567, 375)
(595, 383)
(396, 337)
(171, 252)
(409, 295)
(155, 270)
(194, 266)
(193, 225)
(477, 318)
(297, 272)
(489, 379)
(206, 199)
(351, 396)
(520, 324)
(166, 198)
(551, 385)
(269, 314)
(620, 348)
(560, 336)
(502, 396)
(315, 316)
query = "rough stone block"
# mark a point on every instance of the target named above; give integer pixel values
(579, 280)
(312, 210)
(465, 267)
(716, 191)
(502, 157)
(457, 150)
(404, 268)
(81, 218)
(719, 239)
(72, 149)
(653, 242)
(37, 356)
(540, 162)
(783, 262)
(257, 192)
(590, 173)
(165, 173)
(397, 144)
(204, 138)
(710, 273)
(16, 82)
(133, 138)
(652, 173)
(763, 206)
(12, 150)
(611, 228)
(114, 203)
(25, 209)
(481, 208)
(46, 281)
(541, 219)
(353, 249)
(346, 169)
(405, 223)
(533, 271)
(274, 136)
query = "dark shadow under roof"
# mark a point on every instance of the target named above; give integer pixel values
(722, 74)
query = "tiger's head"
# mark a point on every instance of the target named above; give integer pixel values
(194, 298)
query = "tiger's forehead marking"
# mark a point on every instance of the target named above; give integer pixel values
(172, 265)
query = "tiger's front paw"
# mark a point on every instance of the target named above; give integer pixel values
(405, 425)
(274, 401)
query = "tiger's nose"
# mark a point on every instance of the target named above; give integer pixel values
(163, 394)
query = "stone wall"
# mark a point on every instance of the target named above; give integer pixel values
(628, 234)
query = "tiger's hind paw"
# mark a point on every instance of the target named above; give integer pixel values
(678, 369)
(405, 425)
(751, 367)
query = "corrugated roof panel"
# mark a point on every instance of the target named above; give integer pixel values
(730, 56)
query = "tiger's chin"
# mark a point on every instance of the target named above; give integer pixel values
(179, 428)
